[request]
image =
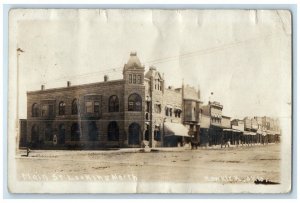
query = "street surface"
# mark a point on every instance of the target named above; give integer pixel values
(226, 165)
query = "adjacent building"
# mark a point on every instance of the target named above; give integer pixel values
(212, 124)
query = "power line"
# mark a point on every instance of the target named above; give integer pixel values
(167, 59)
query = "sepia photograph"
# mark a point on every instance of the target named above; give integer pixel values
(150, 101)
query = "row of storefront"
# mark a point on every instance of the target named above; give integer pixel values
(238, 133)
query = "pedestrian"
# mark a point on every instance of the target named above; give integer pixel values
(27, 151)
(228, 143)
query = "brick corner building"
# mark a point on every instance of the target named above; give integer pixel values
(134, 111)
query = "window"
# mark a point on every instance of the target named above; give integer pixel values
(93, 131)
(35, 134)
(61, 134)
(168, 111)
(177, 113)
(48, 133)
(96, 107)
(113, 103)
(134, 79)
(147, 133)
(75, 107)
(138, 79)
(75, 132)
(89, 107)
(157, 108)
(62, 108)
(44, 110)
(134, 102)
(130, 78)
(113, 131)
(35, 110)
(51, 110)
(134, 133)
(148, 106)
(157, 136)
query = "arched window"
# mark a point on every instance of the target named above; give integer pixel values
(134, 102)
(113, 131)
(62, 108)
(75, 132)
(113, 103)
(35, 110)
(134, 133)
(75, 107)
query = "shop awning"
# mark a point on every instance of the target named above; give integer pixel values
(232, 130)
(249, 133)
(169, 106)
(176, 129)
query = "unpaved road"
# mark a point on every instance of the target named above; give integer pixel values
(230, 165)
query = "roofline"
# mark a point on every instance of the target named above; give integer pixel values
(75, 86)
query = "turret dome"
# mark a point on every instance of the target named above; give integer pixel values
(133, 62)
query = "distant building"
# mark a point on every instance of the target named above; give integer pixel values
(212, 124)
(134, 111)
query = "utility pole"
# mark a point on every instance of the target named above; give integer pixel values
(19, 51)
(151, 113)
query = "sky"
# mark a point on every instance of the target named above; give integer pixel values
(242, 56)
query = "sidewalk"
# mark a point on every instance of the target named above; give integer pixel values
(56, 153)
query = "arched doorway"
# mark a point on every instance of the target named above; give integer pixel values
(113, 131)
(61, 134)
(134, 132)
(93, 131)
(48, 133)
(75, 132)
(35, 134)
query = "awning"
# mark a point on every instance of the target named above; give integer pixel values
(249, 133)
(232, 130)
(169, 106)
(271, 132)
(176, 129)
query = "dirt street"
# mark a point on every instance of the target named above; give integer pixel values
(229, 165)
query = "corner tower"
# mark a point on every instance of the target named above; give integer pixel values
(134, 101)
(133, 71)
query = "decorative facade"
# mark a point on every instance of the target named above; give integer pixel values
(135, 111)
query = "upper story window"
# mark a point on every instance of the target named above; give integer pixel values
(157, 108)
(138, 79)
(177, 113)
(45, 110)
(168, 111)
(35, 110)
(130, 78)
(135, 79)
(157, 84)
(134, 102)
(89, 107)
(75, 107)
(62, 108)
(113, 103)
(96, 107)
